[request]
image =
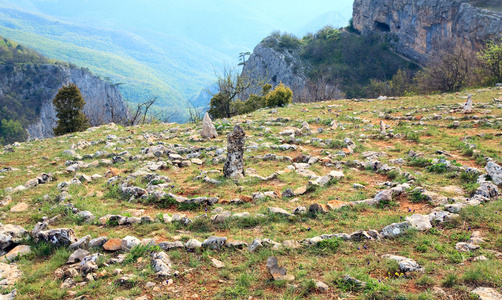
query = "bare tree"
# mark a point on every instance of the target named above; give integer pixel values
(139, 114)
(320, 89)
(230, 85)
(194, 112)
(448, 71)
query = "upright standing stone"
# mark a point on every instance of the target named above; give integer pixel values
(382, 128)
(208, 129)
(234, 166)
(468, 105)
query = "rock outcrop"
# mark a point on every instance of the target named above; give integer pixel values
(234, 166)
(274, 65)
(104, 102)
(421, 27)
(208, 130)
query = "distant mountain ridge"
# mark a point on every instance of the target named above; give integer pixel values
(164, 48)
(145, 69)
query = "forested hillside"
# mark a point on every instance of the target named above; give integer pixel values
(332, 63)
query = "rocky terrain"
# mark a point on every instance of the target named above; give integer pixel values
(421, 28)
(372, 199)
(104, 102)
(275, 66)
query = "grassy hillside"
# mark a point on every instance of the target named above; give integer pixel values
(430, 146)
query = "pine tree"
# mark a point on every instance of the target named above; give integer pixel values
(69, 104)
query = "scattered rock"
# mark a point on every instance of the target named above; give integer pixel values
(15, 253)
(405, 264)
(279, 211)
(10, 274)
(77, 256)
(486, 293)
(20, 207)
(466, 247)
(161, 263)
(419, 222)
(321, 286)
(395, 229)
(278, 273)
(385, 195)
(217, 264)
(113, 245)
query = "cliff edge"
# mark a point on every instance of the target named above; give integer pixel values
(422, 27)
(40, 84)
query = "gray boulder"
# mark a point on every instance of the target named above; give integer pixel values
(208, 129)
(495, 172)
(161, 263)
(419, 222)
(405, 264)
(395, 229)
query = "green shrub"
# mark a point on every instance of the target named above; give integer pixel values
(42, 249)
(336, 144)
(426, 281)
(140, 251)
(419, 162)
(416, 196)
(279, 97)
(438, 168)
(450, 280)
(413, 136)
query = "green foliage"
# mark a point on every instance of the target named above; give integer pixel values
(491, 58)
(280, 96)
(449, 71)
(336, 144)
(11, 131)
(254, 103)
(327, 246)
(283, 41)
(230, 85)
(450, 280)
(11, 52)
(399, 85)
(69, 104)
(419, 162)
(42, 249)
(413, 136)
(351, 60)
(140, 251)
(219, 106)
(438, 168)
(416, 196)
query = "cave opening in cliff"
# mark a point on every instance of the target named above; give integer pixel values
(382, 26)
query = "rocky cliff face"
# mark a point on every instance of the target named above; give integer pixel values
(421, 27)
(104, 102)
(275, 65)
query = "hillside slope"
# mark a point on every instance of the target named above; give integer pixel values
(29, 82)
(355, 199)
